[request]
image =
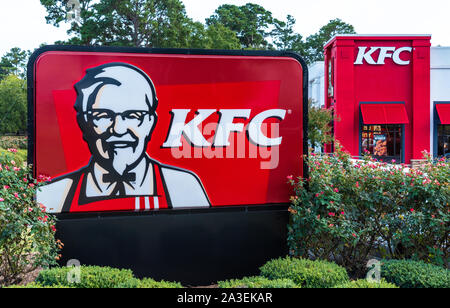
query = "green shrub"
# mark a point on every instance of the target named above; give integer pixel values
(306, 273)
(348, 211)
(14, 142)
(18, 156)
(35, 285)
(364, 284)
(148, 283)
(257, 283)
(415, 274)
(27, 233)
(90, 277)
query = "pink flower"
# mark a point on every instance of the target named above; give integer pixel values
(331, 214)
(53, 228)
(16, 195)
(336, 190)
(354, 235)
(25, 180)
(331, 226)
(12, 150)
(13, 162)
(357, 184)
(1, 199)
(16, 169)
(1, 168)
(290, 178)
(6, 187)
(412, 210)
(31, 185)
(342, 213)
(317, 195)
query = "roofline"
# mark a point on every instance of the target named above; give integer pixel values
(376, 35)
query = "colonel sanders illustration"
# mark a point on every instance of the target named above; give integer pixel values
(116, 111)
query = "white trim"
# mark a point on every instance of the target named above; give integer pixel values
(156, 201)
(137, 204)
(147, 203)
(376, 35)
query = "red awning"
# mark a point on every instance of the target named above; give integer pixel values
(384, 114)
(444, 113)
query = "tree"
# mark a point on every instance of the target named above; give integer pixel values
(316, 42)
(319, 128)
(220, 37)
(14, 62)
(251, 23)
(285, 38)
(13, 105)
(137, 23)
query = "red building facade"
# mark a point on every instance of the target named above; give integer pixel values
(379, 88)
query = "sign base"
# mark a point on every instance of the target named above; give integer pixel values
(194, 247)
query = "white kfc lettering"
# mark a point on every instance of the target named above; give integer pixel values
(190, 130)
(225, 127)
(385, 52)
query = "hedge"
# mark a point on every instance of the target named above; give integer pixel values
(364, 284)
(415, 274)
(306, 273)
(258, 283)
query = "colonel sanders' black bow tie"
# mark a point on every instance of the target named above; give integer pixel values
(120, 181)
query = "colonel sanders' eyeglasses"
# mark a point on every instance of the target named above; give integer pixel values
(106, 117)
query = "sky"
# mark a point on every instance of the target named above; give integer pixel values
(22, 22)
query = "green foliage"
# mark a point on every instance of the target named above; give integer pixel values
(98, 277)
(14, 62)
(35, 285)
(257, 283)
(315, 43)
(319, 128)
(285, 37)
(347, 211)
(220, 37)
(137, 23)
(19, 157)
(148, 283)
(364, 284)
(250, 22)
(26, 232)
(14, 142)
(90, 277)
(13, 105)
(415, 274)
(305, 273)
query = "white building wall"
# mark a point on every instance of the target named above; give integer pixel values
(316, 83)
(440, 81)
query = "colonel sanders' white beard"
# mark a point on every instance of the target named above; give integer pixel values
(123, 158)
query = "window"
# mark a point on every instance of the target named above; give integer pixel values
(331, 77)
(384, 142)
(443, 141)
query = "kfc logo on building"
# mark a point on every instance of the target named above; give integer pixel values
(366, 54)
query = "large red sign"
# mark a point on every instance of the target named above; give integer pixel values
(136, 130)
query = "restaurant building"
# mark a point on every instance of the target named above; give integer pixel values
(389, 94)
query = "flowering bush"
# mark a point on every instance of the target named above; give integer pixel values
(348, 211)
(26, 232)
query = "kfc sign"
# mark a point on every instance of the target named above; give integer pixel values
(120, 131)
(366, 54)
(224, 128)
